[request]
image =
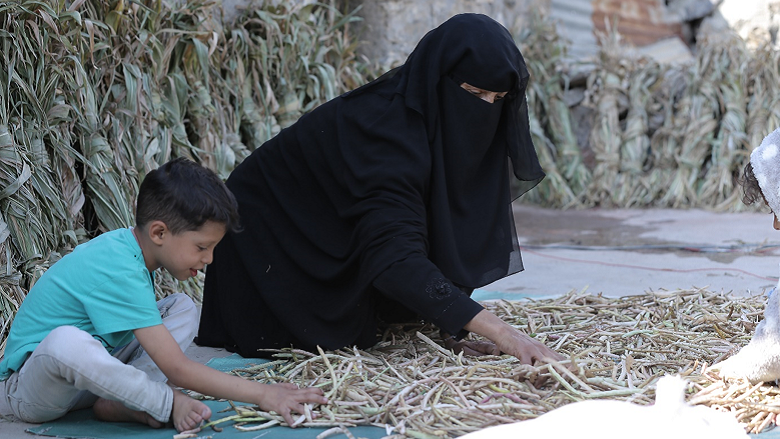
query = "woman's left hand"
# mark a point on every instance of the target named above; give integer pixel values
(472, 348)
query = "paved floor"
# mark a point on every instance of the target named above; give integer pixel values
(617, 253)
(623, 252)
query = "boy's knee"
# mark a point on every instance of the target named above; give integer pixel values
(178, 303)
(66, 342)
(67, 336)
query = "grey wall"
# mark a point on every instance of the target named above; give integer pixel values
(392, 28)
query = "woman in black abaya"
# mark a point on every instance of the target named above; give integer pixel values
(392, 197)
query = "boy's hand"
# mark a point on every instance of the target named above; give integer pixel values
(183, 372)
(285, 398)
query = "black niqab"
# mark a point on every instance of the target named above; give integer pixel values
(468, 227)
(399, 189)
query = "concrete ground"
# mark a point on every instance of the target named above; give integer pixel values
(617, 253)
(630, 251)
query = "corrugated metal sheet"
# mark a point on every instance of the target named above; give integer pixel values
(640, 22)
(575, 24)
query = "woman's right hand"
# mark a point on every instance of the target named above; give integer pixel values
(525, 348)
(510, 340)
(469, 347)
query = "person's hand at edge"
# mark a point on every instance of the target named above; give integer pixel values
(285, 398)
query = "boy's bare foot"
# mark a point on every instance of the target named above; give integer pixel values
(115, 411)
(188, 413)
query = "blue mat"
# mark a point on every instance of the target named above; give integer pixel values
(82, 424)
(771, 434)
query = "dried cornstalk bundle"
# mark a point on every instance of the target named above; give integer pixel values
(605, 140)
(699, 141)
(618, 347)
(634, 187)
(36, 216)
(663, 150)
(574, 170)
(554, 189)
(95, 94)
(729, 154)
(11, 297)
(544, 52)
(729, 60)
(763, 101)
(606, 85)
(694, 121)
(763, 87)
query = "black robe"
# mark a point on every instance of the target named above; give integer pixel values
(393, 196)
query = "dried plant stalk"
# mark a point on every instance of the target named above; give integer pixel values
(618, 348)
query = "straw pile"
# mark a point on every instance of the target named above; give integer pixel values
(620, 347)
(95, 94)
(558, 151)
(656, 135)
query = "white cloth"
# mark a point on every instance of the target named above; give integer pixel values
(765, 161)
(669, 418)
(760, 360)
(69, 370)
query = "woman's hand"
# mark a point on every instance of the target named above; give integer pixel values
(507, 340)
(525, 348)
(471, 348)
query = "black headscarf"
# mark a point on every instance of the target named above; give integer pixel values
(399, 189)
(470, 139)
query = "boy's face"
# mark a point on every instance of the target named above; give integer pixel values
(185, 253)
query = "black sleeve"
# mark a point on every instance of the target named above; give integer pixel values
(386, 169)
(420, 286)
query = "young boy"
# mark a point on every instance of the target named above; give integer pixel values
(760, 359)
(94, 311)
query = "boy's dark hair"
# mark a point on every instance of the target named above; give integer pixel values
(751, 191)
(184, 195)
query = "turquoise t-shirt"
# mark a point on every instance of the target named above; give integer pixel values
(102, 287)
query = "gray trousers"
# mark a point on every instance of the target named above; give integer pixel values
(69, 370)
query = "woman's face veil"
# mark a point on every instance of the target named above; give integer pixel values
(476, 49)
(470, 226)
